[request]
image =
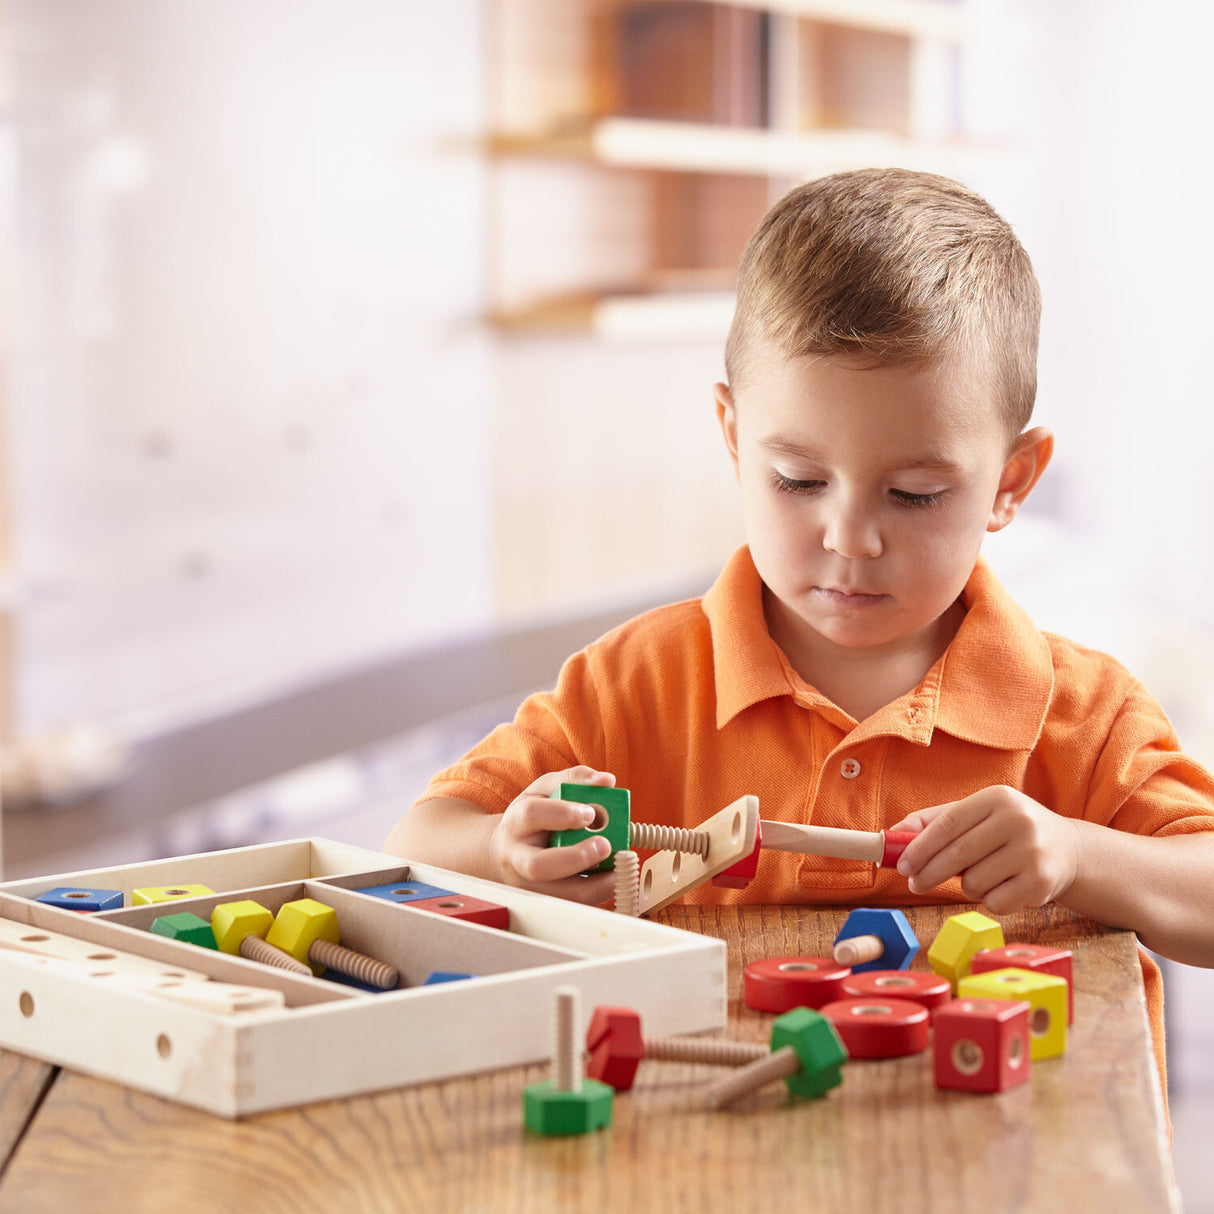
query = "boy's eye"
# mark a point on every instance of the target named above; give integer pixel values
(788, 484)
(916, 501)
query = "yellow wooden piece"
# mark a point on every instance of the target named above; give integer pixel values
(233, 921)
(299, 923)
(1047, 993)
(167, 893)
(958, 940)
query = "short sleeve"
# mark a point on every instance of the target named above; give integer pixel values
(1142, 781)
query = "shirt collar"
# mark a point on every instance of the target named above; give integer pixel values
(992, 686)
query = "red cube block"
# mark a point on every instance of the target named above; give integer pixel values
(471, 910)
(1039, 957)
(981, 1045)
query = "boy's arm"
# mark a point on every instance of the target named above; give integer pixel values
(1010, 853)
(511, 847)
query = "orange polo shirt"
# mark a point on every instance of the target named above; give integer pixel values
(693, 705)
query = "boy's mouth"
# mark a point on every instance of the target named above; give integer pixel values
(847, 598)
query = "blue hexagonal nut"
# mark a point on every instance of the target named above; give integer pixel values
(549, 1111)
(818, 1046)
(891, 927)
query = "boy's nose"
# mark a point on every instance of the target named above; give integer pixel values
(851, 534)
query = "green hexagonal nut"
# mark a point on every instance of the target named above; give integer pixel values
(617, 828)
(548, 1111)
(818, 1046)
(191, 928)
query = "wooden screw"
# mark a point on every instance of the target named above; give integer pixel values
(779, 1064)
(712, 1051)
(566, 1056)
(668, 838)
(355, 965)
(628, 883)
(254, 948)
(859, 949)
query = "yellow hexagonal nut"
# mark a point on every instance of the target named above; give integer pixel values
(152, 895)
(233, 921)
(1046, 993)
(299, 923)
(959, 939)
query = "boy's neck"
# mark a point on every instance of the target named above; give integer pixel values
(863, 681)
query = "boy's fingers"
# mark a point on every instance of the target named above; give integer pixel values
(592, 891)
(536, 813)
(536, 864)
(958, 854)
(913, 823)
(546, 784)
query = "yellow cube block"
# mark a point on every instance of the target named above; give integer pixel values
(300, 922)
(233, 921)
(958, 940)
(1046, 993)
(167, 893)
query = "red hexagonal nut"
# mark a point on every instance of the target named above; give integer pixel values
(616, 1047)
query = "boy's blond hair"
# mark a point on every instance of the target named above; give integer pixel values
(894, 266)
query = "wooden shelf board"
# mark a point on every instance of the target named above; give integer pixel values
(705, 148)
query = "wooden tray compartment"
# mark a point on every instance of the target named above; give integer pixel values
(333, 1041)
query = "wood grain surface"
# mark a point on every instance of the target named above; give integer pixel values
(1085, 1133)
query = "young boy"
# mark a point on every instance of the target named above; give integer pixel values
(857, 664)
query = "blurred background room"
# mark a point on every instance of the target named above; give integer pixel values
(357, 360)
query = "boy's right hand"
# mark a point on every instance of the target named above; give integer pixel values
(519, 847)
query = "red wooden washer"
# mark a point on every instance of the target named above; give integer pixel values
(780, 984)
(927, 989)
(879, 1027)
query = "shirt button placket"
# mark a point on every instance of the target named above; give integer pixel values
(849, 769)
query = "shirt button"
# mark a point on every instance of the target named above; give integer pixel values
(850, 768)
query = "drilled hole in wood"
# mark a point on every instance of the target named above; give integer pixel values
(451, 905)
(600, 819)
(871, 1009)
(403, 890)
(676, 864)
(164, 1047)
(101, 957)
(647, 882)
(78, 893)
(895, 980)
(967, 1057)
(176, 893)
(1039, 1022)
(1015, 1052)
(735, 829)
(797, 965)
(1018, 952)
(26, 1003)
(37, 938)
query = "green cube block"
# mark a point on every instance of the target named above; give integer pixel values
(615, 804)
(186, 926)
(546, 1111)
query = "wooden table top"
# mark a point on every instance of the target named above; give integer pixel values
(1086, 1132)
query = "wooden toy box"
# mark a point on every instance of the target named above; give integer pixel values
(331, 1040)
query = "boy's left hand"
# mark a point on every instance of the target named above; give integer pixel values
(1008, 851)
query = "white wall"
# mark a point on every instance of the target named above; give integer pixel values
(249, 403)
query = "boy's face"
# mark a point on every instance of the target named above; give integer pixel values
(866, 492)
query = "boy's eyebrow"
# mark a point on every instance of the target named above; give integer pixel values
(928, 461)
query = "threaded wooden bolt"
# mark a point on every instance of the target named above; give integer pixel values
(669, 838)
(628, 883)
(256, 949)
(859, 949)
(779, 1064)
(708, 1050)
(566, 1056)
(355, 965)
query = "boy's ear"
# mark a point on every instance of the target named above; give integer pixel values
(1029, 458)
(728, 418)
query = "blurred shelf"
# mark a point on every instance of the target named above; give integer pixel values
(644, 143)
(939, 19)
(659, 316)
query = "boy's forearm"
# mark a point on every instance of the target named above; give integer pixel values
(449, 832)
(1161, 888)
